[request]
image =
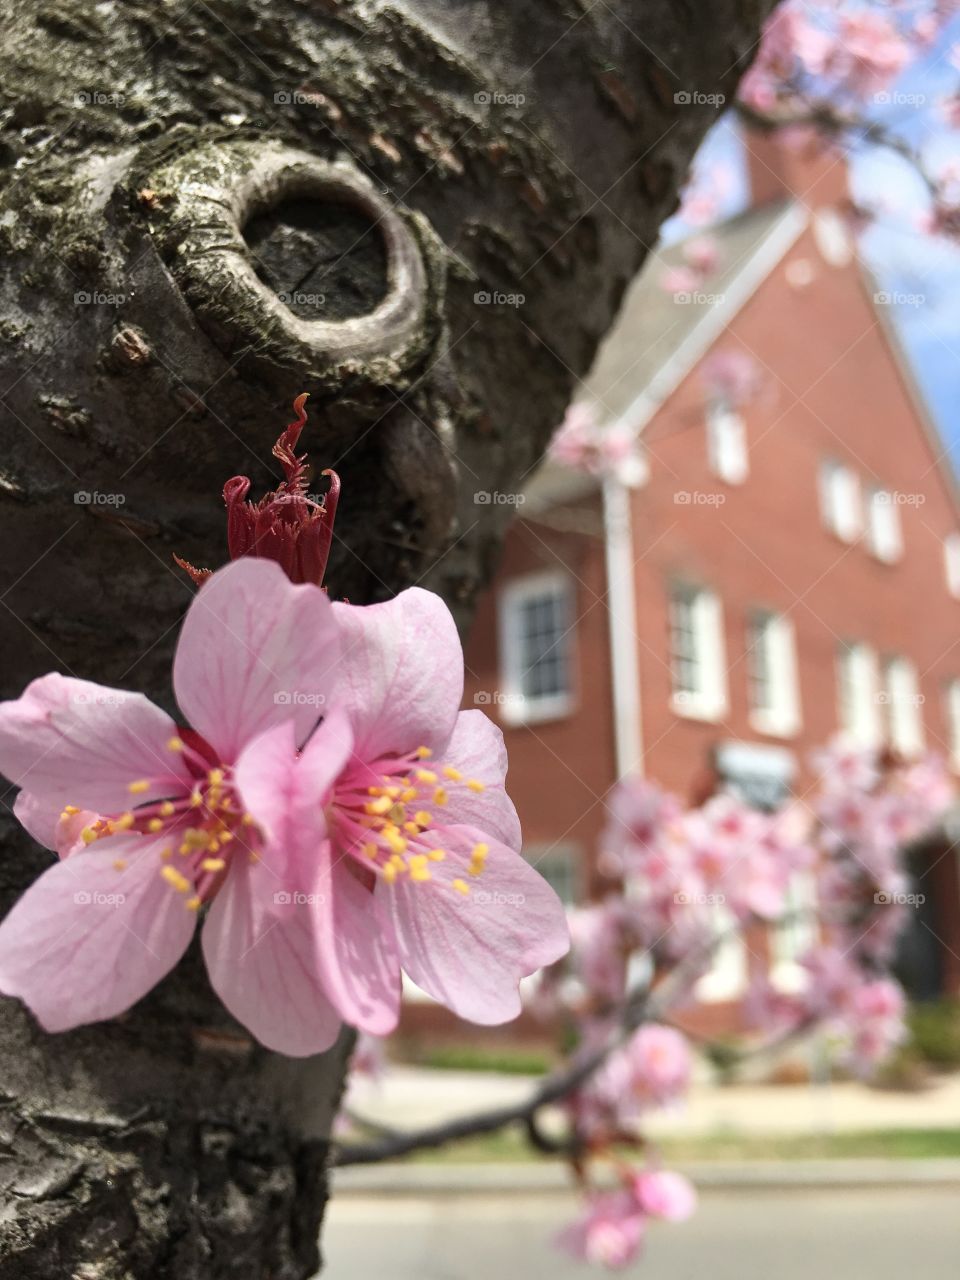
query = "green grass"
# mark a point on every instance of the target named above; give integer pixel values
(891, 1144)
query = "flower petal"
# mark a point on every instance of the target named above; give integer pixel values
(262, 965)
(255, 650)
(470, 950)
(69, 741)
(477, 751)
(87, 939)
(401, 677)
(48, 825)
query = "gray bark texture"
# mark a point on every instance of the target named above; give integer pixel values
(206, 207)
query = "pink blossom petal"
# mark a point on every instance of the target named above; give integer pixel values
(255, 650)
(665, 1194)
(69, 741)
(477, 751)
(401, 679)
(470, 951)
(87, 939)
(262, 965)
(48, 826)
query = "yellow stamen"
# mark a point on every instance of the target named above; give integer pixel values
(375, 791)
(371, 850)
(247, 819)
(174, 744)
(88, 835)
(474, 785)
(215, 777)
(119, 864)
(422, 818)
(418, 867)
(426, 775)
(378, 806)
(461, 886)
(155, 824)
(142, 784)
(440, 796)
(409, 795)
(173, 877)
(437, 855)
(395, 841)
(212, 864)
(167, 808)
(390, 873)
(69, 811)
(123, 823)
(193, 904)
(453, 774)
(397, 813)
(423, 753)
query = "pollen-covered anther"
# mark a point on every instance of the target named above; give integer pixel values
(174, 878)
(478, 858)
(139, 786)
(419, 870)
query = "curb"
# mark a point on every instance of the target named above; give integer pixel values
(421, 1179)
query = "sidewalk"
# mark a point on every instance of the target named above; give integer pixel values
(410, 1097)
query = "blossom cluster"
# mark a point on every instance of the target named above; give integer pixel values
(320, 802)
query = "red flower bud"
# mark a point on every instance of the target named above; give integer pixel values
(286, 525)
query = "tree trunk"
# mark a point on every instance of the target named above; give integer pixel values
(424, 212)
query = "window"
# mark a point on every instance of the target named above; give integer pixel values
(726, 979)
(774, 697)
(840, 500)
(727, 443)
(536, 650)
(953, 720)
(859, 694)
(795, 934)
(697, 653)
(560, 865)
(902, 701)
(951, 556)
(883, 525)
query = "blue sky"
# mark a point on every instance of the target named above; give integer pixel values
(905, 261)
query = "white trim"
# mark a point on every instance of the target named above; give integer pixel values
(514, 705)
(951, 563)
(622, 613)
(884, 531)
(709, 701)
(736, 294)
(776, 632)
(902, 701)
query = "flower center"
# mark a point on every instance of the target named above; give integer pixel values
(206, 827)
(386, 823)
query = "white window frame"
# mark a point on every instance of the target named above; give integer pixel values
(952, 699)
(727, 450)
(772, 646)
(515, 705)
(902, 703)
(858, 694)
(795, 934)
(542, 855)
(728, 975)
(708, 699)
(951, 563)
(884, 534)
(841, 500)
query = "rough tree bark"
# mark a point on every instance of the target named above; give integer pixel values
(182, 182)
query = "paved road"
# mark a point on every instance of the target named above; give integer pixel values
(870, 1233)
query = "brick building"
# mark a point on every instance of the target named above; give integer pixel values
(787, 568)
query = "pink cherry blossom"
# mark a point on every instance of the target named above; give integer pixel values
(167, 824)
(664, 1194)
(610, 1231)
(732, 376)
(401, 831)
